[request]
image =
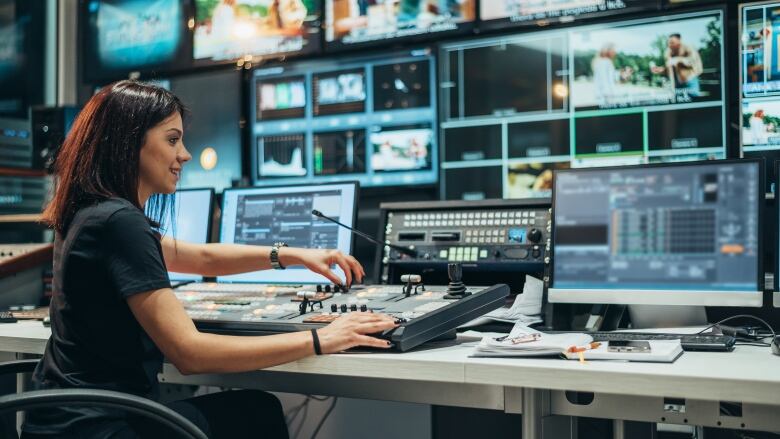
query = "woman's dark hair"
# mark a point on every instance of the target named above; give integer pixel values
(100, 156)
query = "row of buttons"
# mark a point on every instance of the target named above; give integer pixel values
(463, 254)
(489, 222)
(470, 215)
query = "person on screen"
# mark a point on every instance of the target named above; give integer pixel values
(683, 65)
(605, 76)
(223, 20)
(287, 15)
(758, 129)
(113, 313)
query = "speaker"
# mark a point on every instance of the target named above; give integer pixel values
(50, 125)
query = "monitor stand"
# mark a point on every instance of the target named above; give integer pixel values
(666, 316)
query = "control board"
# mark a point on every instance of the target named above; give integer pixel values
(424, 312)
(488, 235)
(15, 258)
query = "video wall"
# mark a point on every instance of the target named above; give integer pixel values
(628, 92)
(22, 50)
(367, 119)
(548, 84)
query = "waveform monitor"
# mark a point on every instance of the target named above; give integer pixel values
(190, 221)
(683, 234)
(264, 216)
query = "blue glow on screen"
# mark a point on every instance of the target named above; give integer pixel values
(138, 32)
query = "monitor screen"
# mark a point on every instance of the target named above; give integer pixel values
(190, 221)
(365, 118)
(505, 13)
(631, 92)
(760, 83)
(22, 61)
(350, 23)
(225, 31)
(264, 216)
(686, 234)
(123, 36)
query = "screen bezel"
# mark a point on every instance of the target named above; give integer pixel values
(209, 229)
(656, 296)
(314, 187)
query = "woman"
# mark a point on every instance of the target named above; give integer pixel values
(113, 313)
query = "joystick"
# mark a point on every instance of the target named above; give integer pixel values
(456, 289)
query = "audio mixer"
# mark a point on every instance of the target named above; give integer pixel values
(487, 236)
(425, 312)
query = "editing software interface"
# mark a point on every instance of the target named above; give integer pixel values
(760, 84)
(264, 216)
(682, 227)
(627, 92)
(367, 119)
(188, 221)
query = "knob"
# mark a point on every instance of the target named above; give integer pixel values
(336, 289)
(497, 254)
(534, 235)
(319, 288)
(327, 288)
(364, 307)
(343, 307)
(334, 307)
(536, 253)
(353, 307)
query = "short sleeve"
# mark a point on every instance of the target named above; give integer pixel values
(133, 254)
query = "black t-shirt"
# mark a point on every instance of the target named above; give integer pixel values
(108, 253)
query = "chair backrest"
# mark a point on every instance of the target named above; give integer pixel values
(93, 398)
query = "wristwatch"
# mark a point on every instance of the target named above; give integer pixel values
(275, 264)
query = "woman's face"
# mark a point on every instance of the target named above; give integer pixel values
(162, 158)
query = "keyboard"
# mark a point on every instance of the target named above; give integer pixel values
(689, 342)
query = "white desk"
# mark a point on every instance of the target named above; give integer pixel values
(443, 374)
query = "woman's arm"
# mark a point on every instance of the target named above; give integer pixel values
(224, 259)
(166, 322)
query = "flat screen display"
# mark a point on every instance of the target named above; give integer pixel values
(506, 13)
(263, 216)
(629, 92)
(350, 22)
(22, 62)
(228, 30)
(366, 118)
(123, 36)
(690, 228)
(188, 220)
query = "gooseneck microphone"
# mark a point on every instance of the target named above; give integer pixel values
(404, 250)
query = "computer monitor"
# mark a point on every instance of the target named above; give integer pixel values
(189, 220)
(671, 234)
(264, 216)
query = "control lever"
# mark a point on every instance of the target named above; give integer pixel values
(405, 250)
(412, 280)
(456, 288)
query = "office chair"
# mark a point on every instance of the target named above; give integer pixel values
(93, 398)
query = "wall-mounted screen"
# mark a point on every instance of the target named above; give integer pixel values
(123, 36)
(361, 22)
(506, 13)
(22, 49)
(228, 30)
(371, 119)
(627, 92)
(760, 83)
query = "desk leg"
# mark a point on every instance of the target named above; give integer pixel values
(629, 429)
(536, 405)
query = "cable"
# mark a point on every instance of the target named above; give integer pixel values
(325, 417)
(745, 316)
(303, 419)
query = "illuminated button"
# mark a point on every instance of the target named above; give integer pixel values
(483, 254)
(504, 214)
(443, 254)
(525, 214)
(533, 214)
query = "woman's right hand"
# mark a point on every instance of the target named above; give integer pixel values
(350, 330)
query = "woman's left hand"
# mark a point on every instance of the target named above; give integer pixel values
(320, 261)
